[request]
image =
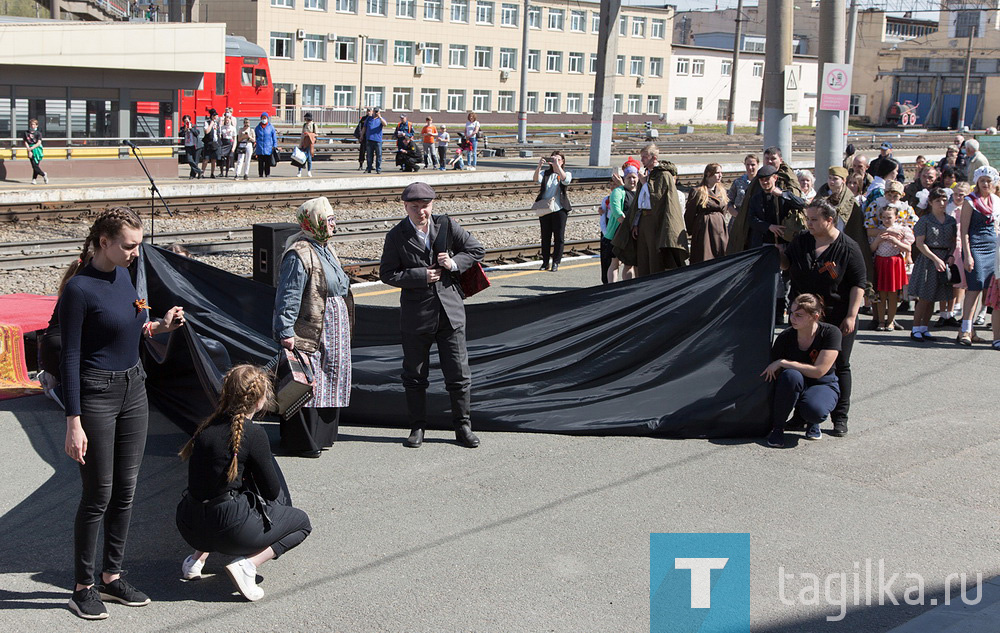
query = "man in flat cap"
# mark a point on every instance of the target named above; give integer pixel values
(423, 255)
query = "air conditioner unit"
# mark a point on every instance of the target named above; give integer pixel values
(331, 37)
(421, 46)
(418, 70)
(301, 34)
(504, 75)
(640, 81)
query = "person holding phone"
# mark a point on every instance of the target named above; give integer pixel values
(553, 206)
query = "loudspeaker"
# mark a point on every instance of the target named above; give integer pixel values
(268, 244)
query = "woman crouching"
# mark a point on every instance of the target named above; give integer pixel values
(801, 368)
(234, 503)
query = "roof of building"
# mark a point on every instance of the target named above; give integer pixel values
(237, 46)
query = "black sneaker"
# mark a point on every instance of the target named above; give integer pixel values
(839, 429)
(776, 439)
(87, 604)
(126, 594)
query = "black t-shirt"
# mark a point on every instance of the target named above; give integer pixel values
(786, 345)
(32, 136)
(831, 275)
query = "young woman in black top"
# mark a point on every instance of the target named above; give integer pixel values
(801, 368)
(823, 261)
(234, 503)
(104, 393)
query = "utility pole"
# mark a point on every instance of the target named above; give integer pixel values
(830, 124)
(965, 79)
(852, 32)
(777, 124)
(731, 110)
(522, 104)
(361, 80)
(602, 122)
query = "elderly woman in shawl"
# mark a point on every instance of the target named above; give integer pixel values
(312, 314)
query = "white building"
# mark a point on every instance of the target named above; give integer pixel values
(699, 86)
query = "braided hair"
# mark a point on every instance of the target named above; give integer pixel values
(243, 389)
(109, 224)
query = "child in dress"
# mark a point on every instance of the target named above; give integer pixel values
(890, 247)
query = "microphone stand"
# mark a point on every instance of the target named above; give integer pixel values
(154, 191)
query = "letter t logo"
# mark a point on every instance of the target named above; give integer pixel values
(701, 578)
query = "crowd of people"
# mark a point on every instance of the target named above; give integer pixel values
(430, 150)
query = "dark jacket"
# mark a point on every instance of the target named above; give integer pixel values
(196, 132)
(564, 204)
(404, 264)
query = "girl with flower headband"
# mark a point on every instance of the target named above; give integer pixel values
(979, 246)
(103, 384)
(313, 309)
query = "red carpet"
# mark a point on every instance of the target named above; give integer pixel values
(20, 313)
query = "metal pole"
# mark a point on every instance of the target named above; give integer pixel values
(965, 79)
(852, 32)
(777, 124)
(522, 103)
(603, 120)
(829, 123)
(731, 110)
(361, 80)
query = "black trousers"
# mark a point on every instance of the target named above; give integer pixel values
(263, 165)
(553, 226)
(115, 416)
(454, 360)
(607, 254)
(36, 170)
(442, 156)
(311, 429)
(191, 157)
(843, 370)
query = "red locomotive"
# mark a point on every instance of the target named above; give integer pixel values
(245, 86)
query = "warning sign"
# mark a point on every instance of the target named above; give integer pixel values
(793, 96)
(836, 89)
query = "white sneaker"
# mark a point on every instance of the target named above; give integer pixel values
(34, 182)
(45, 177)
(471, 168)
(191, 568)
(309, 173)
(244, 576)
(299, 175)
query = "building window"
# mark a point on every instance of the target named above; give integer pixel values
(532, 102)
(456, 100)
(432, 54)
(698, 67)
(343, 96)
(657, 29)
(430, 99)
(635, 104)
(314, 48)
(460, 11)
(344, 49)
(758, 70)
(315, 5)
(620, 65)
(967, 23)
(552, 102)
(505, 101)
(722, 113)
(754, 110)
(313, 95)
(655, 66)
(508, 59)
(401, 99)
(593, 63)
(653, 104)
(578, 21)
(683, 65)
(484, 12)
(858, 105)
(404, 53)
(574, 101)
(636, 66)
(483, 57)
(727, 68)
(433, 10)
(374, 97)
(406, 9)
(638, 27)
(618, 104)
(458, 56)
(285, 4)
(481, 101)
(376, 7)
(375, 51)
(622, 28)
(509, 14)
(575, 64)
(680, 103)
(699, 102)
(534, 17)
(595, 22)
(282, 46)
(534, 59)
(347, 6)
(553, 62)
(557, 17)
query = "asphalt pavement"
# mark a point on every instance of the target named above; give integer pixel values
(535, 532)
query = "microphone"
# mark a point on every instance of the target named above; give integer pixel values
(128, 142)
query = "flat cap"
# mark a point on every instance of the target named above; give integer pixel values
(765, 171)
(418, 191)
(840, 172)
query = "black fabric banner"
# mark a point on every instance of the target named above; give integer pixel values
(677, 354)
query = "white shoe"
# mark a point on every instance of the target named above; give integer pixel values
(299, 175)
(471, 168)
(191, 568)
(45, 177)
(309, 173)
(244, 576)
(34, 182)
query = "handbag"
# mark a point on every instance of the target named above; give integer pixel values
(293, 382)
(474, 279)
(298, 157)
(275, 159)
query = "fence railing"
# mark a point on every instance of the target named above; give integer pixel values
(321, 115)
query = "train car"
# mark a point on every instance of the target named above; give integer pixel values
(245, 85)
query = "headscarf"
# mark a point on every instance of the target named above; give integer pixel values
(312, 217)
(631, 166)
(986, 170)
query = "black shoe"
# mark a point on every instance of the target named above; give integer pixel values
(918, 336)
(126, 594)
(309, 454)
(87, 604)
(555, 267)
(866, 310)
(928, 336)
(466, 437)
(903, 307)
(776, 439)
(544, 266)
(839, 429)
(416, 438)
